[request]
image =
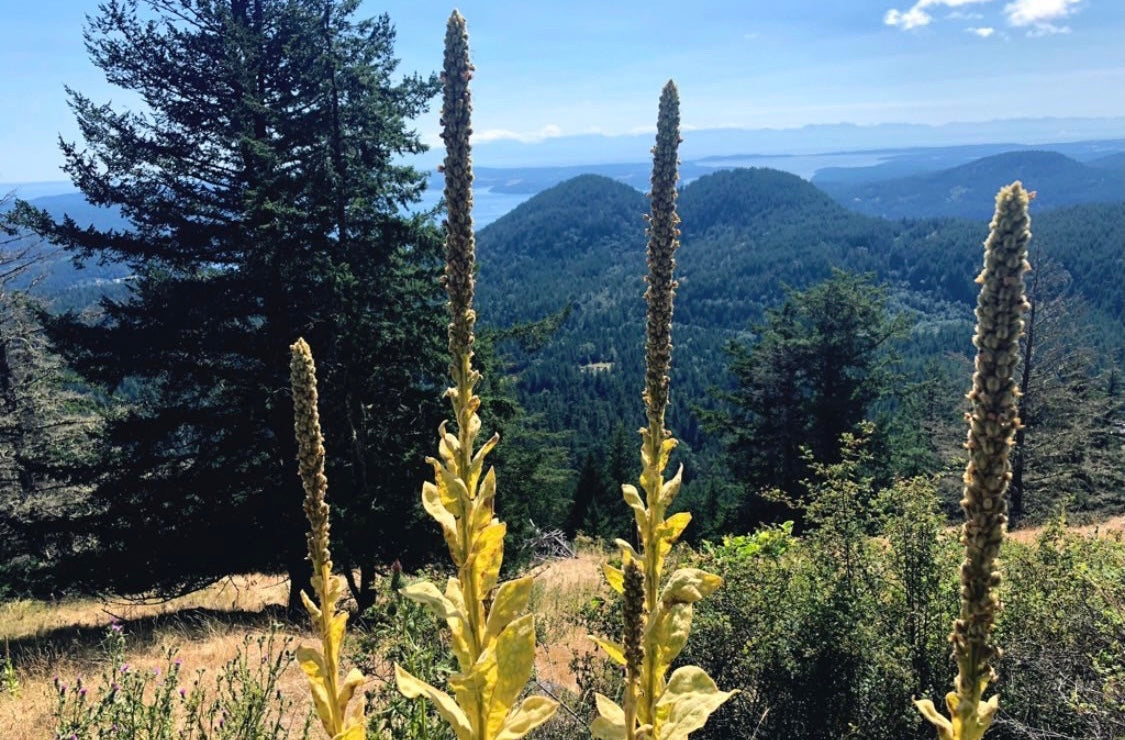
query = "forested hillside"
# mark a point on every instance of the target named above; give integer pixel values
(748, 235)
(963, 191)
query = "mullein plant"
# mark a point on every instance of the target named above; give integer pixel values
(332, 696)
(658, 611)
(494, 647)
(993, 422)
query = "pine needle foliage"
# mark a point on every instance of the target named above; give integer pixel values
(494, 646)
(993, 422)
(331, 696)
(658, 611)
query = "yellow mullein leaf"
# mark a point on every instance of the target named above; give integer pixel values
(487, 556)
(336, 628)
(475, 686)
(515, 659)
(455, 488)
(311, 608)
(666, 447)
(628, 551)
(610, 723)
(412, 688)
(615, 577)
(988, 709)
(511, 601)
(943, 726)
(671, 628)
(432, 503)
(353, 681)
(615, 652)
(531, 712)
(474, 423)
(355, 732)
(447, 497)
(427, 594)
(483, 505)
(688, 585)
(459, 641)
(633, 498)
(674, 526)
(688, 700)
(312, 664)
(448, 445)
(478, 458)
(670, 488)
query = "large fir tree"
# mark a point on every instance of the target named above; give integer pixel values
(265, 195)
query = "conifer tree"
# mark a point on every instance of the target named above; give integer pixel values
(264, 191)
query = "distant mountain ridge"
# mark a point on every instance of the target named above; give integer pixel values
(965, 191)
(699, 143)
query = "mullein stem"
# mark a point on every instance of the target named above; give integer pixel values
(663, 241)
(322, 668)
(993, 421)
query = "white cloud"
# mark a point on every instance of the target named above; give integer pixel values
(1040, 17)
(550, 131)
(960, 15)
(916, 16)
(982, 31)
(913, 18)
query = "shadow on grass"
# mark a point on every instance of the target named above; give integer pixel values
(84, 642)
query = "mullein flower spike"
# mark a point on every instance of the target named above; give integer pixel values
(495, 648)
(657, 708)
(993, 422)
(331, 696)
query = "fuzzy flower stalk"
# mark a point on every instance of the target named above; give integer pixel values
(993, 422)
(331, 696)
(658, 611)
(494, 647)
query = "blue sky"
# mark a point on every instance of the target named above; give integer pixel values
(551, 68)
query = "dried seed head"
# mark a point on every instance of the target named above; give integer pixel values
(310, 451)
(456, 112)
(634, 617)
(993, 422)
(663, 239)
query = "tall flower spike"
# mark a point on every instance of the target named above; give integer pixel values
(495, 648)
(331, 697)
(656, 708)
(663, 240)
(456, 114)
(993, 422)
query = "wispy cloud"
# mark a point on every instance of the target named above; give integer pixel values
(916, 16)
(982, 31)
(1041, 17)
(550, 131)
(961, 15)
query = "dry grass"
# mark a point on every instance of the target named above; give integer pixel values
(562, 588)
(208, 628)
(63, 638)
(1112, 527)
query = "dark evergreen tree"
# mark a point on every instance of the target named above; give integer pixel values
(265, 201)
(819, 363)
